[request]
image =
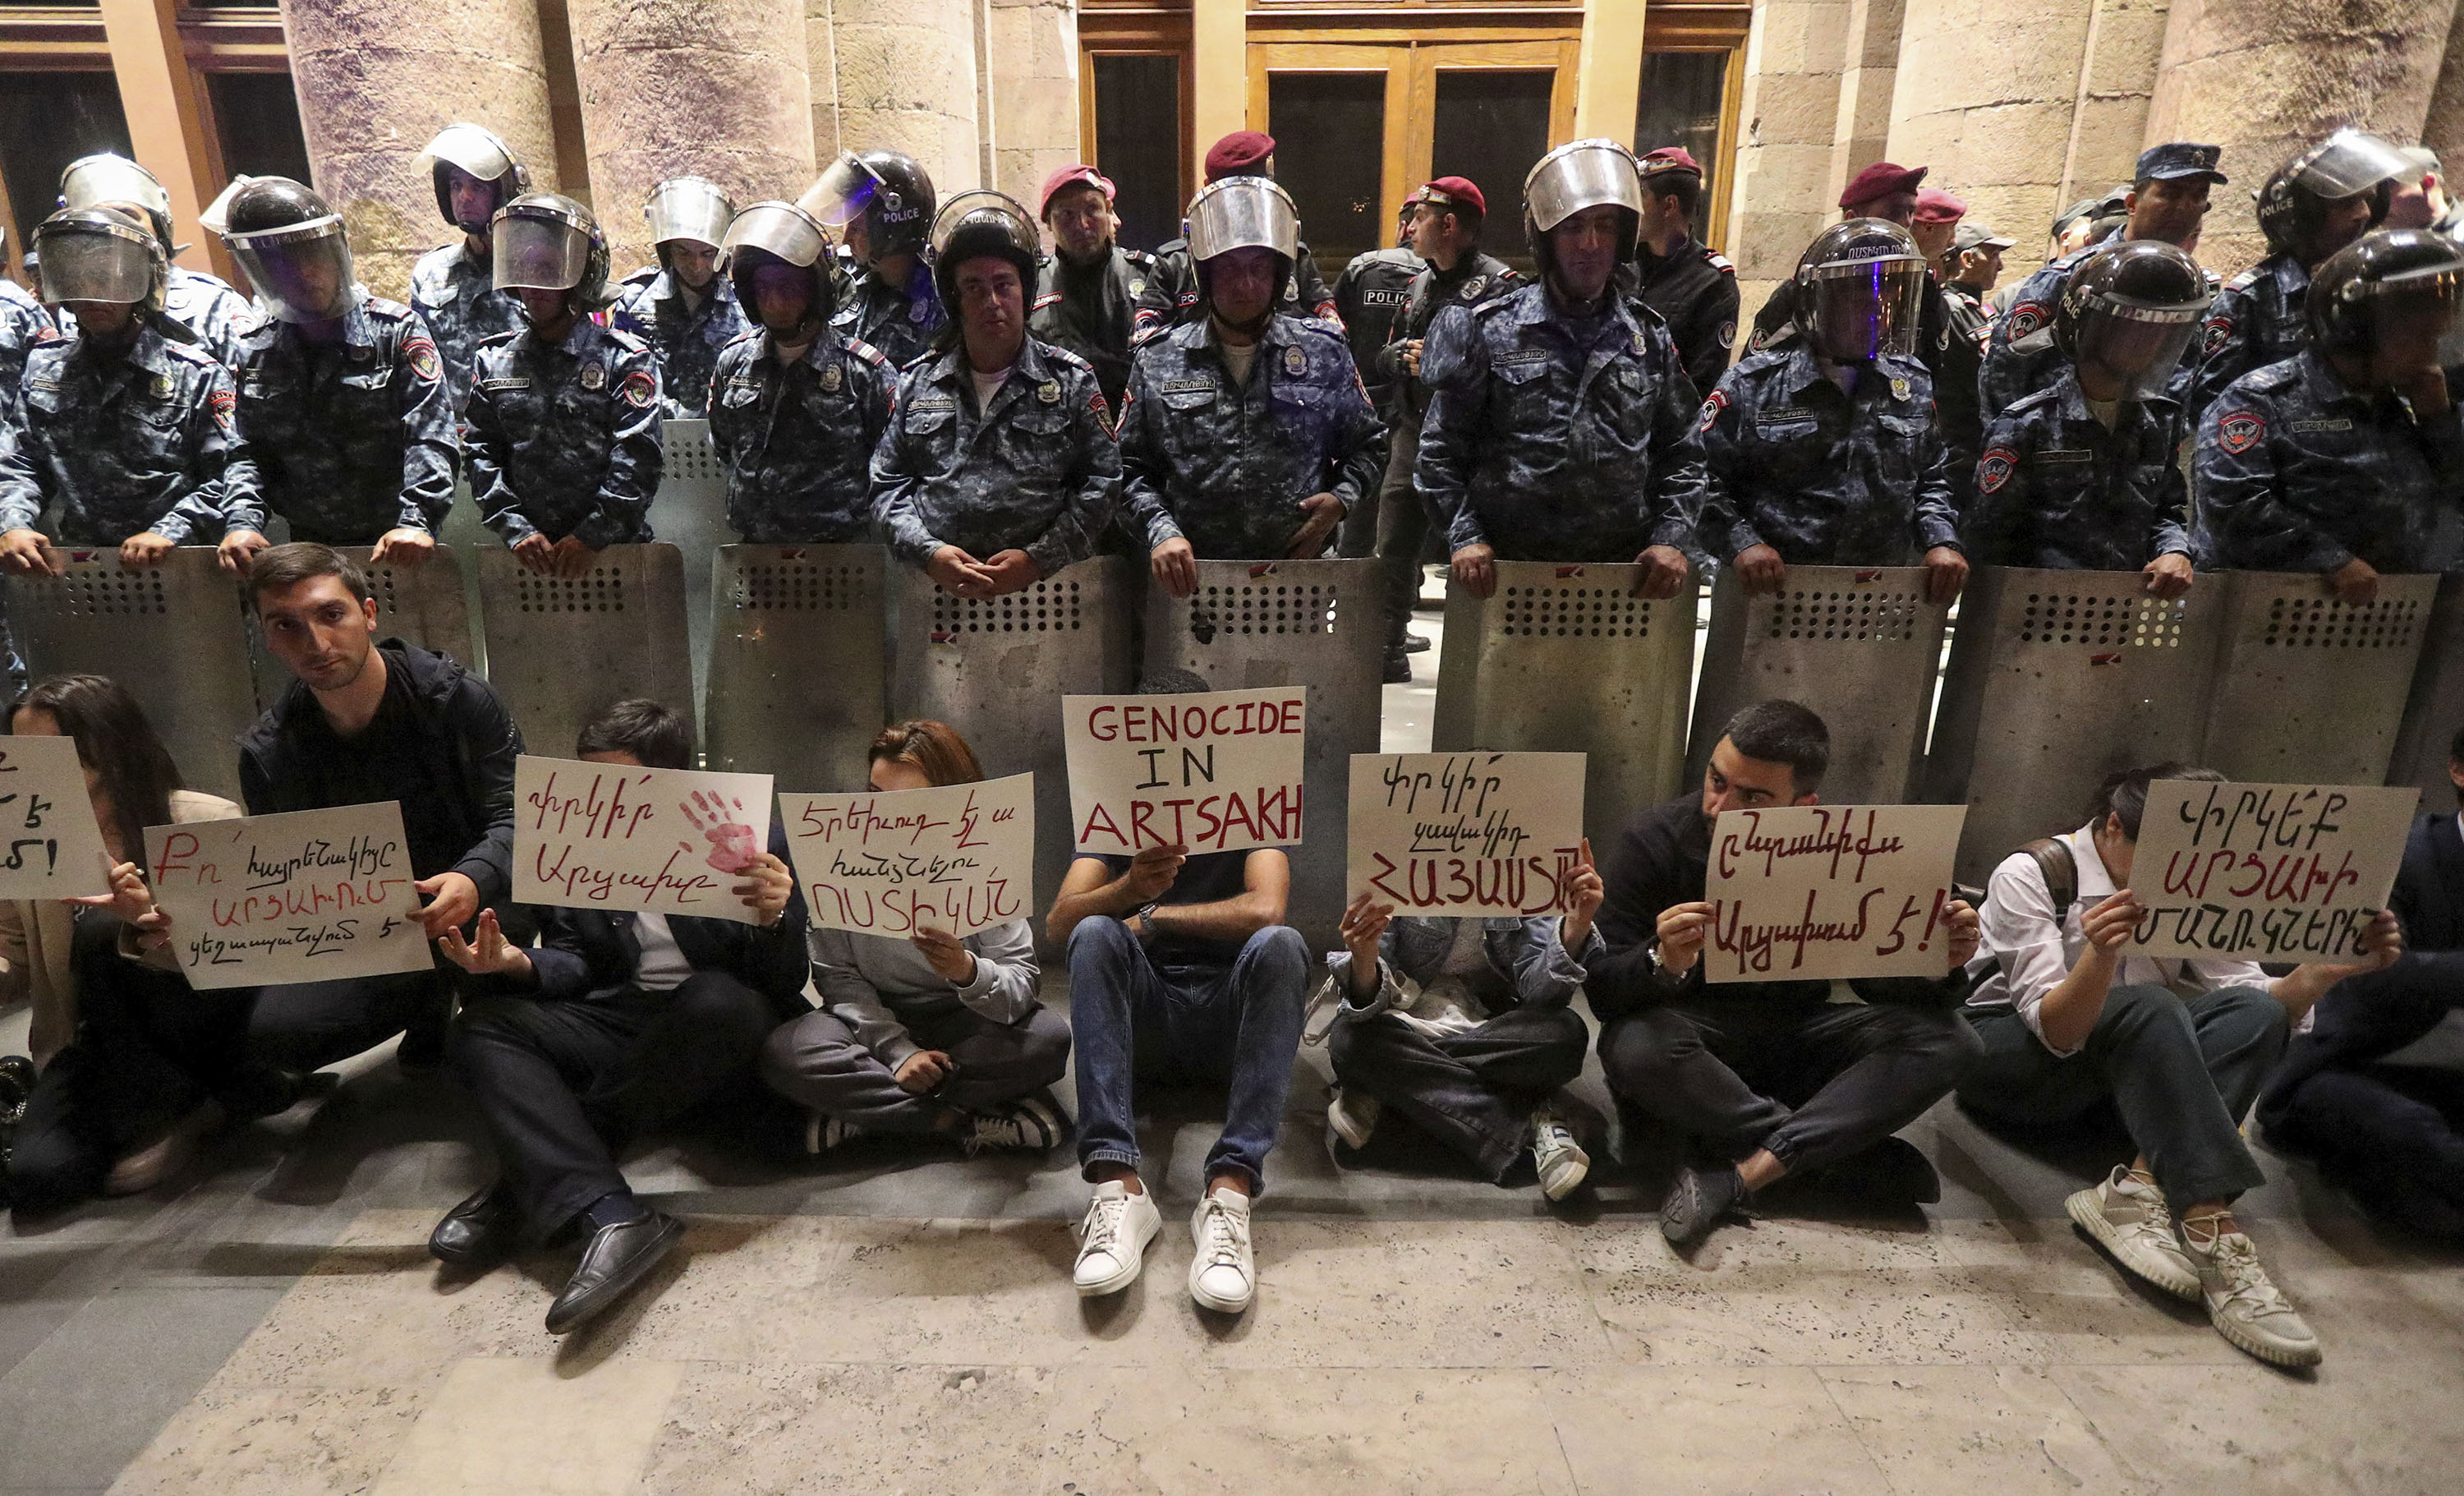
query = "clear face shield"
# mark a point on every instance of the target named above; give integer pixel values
(472, 148)
(1244, 212)
(776, 229)
(2350, 162)
(302, 272)
(984, 207)
(96, 180)
(2417, 317)
(1582, 174)
(687, 209)
(90, 263)
(2138, 343)
(1865, 308)
(843, 192)
(538, 254)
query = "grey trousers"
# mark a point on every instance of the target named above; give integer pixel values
(817, 1063)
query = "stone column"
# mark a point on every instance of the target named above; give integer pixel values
(907, 81)
(822, 71)
(710, 88)
(2443, 130)
(2109, 123)
(378, 79)
(1794, 57)
(1987, 98)
(1034, 47)
(2263, 77)
(1866, 89)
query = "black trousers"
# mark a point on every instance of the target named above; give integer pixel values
(1475, 1091)
(1813, 1082)
(308, 1026)
(563, 1085)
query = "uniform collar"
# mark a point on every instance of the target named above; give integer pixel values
(952, 366)
(2325, 382)
(149, 354)
(2288, 270)
(1281, 331)
(586, 335)
(665, 288)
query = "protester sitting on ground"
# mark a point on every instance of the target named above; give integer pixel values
(935, 1034)
(617, 1024)
(2070, 1020)
(1768, 1078)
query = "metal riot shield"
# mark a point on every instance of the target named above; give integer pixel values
(1317, 624)
(689, 513)
(799, 662)
(2056, 679)
(561, 649)
(1570, 659)
(169, 632)
(2308, 689)
(1859, 645)
(2436, 711)
(995, 669)
(422, 604)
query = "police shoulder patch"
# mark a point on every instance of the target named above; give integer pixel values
(1993, 468)
(2218, 331)
(2237, 431)
(1102, 410)
(419, 353)
(1728, 334)
(1713, 405)
(638, 390)
(221, 402)
(2026, 317)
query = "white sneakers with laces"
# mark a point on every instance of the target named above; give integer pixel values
(1557, 1155)
(1113, 1240)
(1223, 1276)
(2126, 1214)
(2244, 1305)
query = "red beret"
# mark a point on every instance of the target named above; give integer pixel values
(1449, 191)
(1882, 179)
(1934, 206)
(1077, 175)
(1670, 158)
(1239, 154)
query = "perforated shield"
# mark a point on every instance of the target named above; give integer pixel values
(422, 605)
(1859, 645)
(799, 666)
(1293, 622)
(563, 649)
(690, 511)
(1568, 659)
(2056, 679)
(2435, 710)
(2310, 690)
(169, 632)
(995, 669)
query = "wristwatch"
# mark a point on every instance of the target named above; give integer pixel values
(1144, 915)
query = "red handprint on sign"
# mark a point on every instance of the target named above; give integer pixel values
(733, 846)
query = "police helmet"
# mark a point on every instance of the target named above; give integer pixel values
(1861, 286)
(779, 234)
(2128, 310)
(1577, 175)
(110, 178)
(479, 153)
(2412, 277)
(1244, 212)
(889, 190)
(978, 222)
(105, 255)
(294, 248)
(546, 241)
(2294, 197)
(692, 210)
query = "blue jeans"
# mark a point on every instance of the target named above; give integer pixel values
(1236, 1026)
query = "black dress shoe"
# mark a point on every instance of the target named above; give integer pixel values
(478, 1233)
(1698, 1200)
(615, 1259)
(1414, 644)
(1397, 669)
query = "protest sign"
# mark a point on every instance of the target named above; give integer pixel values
(1465, 833)
(1816, 892)
(614, 837)
(50, 846)
(958, 858)
(2266, 872)
(308, 895)
(1215, 772)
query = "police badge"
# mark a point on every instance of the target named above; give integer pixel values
(831, 378)
(1295, 362)
(1899, 388)
(1048, 392)
(594, 376)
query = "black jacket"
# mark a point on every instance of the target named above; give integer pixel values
(1695, 291)
(461, 722)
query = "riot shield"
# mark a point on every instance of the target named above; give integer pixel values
(561, 649)
(799, 662)
(2436, 710)
(689, 513)
(2308, 689)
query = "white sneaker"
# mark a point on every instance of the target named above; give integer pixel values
(2246, 1308)
(1560, 1160)
(1113, 1240)
(822, 1133)
(1353, 1115)
(1223, 1276)
(2132, 1221)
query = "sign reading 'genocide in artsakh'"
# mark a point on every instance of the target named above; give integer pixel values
(1807, 891)
(1217, 771)
(958, 858)
(2266, 872)
(1488, 834)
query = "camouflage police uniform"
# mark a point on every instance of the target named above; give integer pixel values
(23, 324)
(686, 342)
(208, 307)
(1695, 291)
(2057, 489)
(564, 438)
(457, 298)
(1823, 477)
(1557, 438)
(1224, 464)
(1088, 309)
(900, 323)
(2256, 320)
(123, 442)
(1039, 471)
(2300, 471)
(1369, 297)
(350, 439)
(798, 442)
(1172, 293)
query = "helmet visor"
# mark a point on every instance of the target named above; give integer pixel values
(87, 266)
(1243, 212)
(2420, 311)
(983, 214)
(301, 273)
(2350, 162)
(688, 209)
(112, 178)
(538, 254)
(472, 149)
(844, 191)
(2136, 342)
(776, 229)
(1583, 174)
(216, 216)
(1865, 308)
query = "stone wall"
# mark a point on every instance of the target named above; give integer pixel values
(1787, 132)
(906, 72)
(1034, 48)
(1988, 90)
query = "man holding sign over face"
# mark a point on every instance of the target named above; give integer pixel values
(1769, 1077)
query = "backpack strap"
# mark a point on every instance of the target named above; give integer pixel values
(2061, 869)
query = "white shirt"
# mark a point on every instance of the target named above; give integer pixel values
(988, 386)
(664, 967)
(1238, 357)
(2028, 949)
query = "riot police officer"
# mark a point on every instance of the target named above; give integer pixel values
(1826, 453)
(1369, 296)
(795, 408)
(2338, 459)
(1248, 436)
(884, 202)
(203, 304)
(1171, 295)
(1560, 424)
(1000, 466)
(2315, 204)
(126, 429)
(563, 419)
(23, 324)
(342, 394)
(1692, 288)
(1089, 292)
(2084, 474)
(1885, 190)
(454, 286)
(682, 306)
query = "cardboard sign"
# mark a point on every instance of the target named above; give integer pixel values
(1816, 891)
(665, 841)
(1487, 834)
(2266, 872)
(959, 858)
(1215, 772)
(309, 895)
(49, 846)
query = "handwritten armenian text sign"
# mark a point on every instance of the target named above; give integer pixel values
(1215, 772)
(664, 841)
(959, 858)
(1465, 833)
(1817, 891)
(309, 895)
(2266, 872)
(50, 846)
